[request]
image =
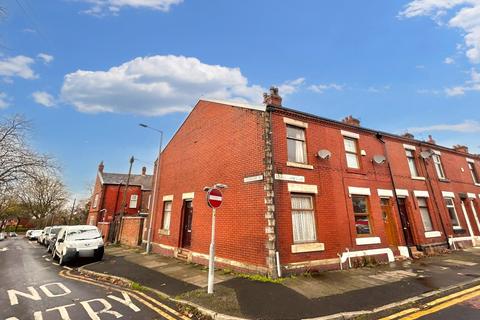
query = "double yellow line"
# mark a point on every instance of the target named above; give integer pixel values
(158, 307)
(436, 305)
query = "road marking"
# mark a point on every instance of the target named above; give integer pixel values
(3, 249)
(132, 293)
(54, 263)
(68, 268)
(461, 262)
(94, 314)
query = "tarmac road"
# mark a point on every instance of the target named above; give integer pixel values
(32, 287)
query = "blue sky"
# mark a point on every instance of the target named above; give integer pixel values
(86, 72)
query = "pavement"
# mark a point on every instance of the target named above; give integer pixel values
(32, 286)
(369, 293)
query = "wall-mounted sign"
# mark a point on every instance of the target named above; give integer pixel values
(253, 178)
(289, 177)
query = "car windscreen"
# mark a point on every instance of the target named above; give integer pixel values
(55, 231)
(83, 234)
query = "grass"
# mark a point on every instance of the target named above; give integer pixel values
(260, 278)
(137, 286)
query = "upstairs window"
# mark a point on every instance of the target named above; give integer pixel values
(411, 162)
(167, 213)
(425, 214)
(297, 151)
(437, 161)
(303, 219)
(361, 212)
(452, 212)
(133, 201)
(351, 152)
(473, 172)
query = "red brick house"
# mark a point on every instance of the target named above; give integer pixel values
(308, 192)
(107, 197)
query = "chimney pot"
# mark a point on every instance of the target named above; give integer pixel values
(408, 135)
(351, 121)
(460, 148)
(430, 139)
(101, 166)
(272, 98)
(144, 171)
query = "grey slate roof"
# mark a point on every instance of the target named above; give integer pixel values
(145, 181)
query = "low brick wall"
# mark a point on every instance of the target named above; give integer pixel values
(131, 234)
(104, 228)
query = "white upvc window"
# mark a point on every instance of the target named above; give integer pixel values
(351, 152)
(437, 161)
(411, 162)
(167, 213)
(425, 213)
(95, 201)
(452, 212)
(303, 218)
(473, 172)
(133, 201)
(296, 146)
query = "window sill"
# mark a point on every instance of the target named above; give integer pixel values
(443, 180)
(164, 232)
(418, 178)
(477, 184)
(356, 171)
(367, 240)
(308, 247)
(433, 234)
(457, 228)
(299, 165)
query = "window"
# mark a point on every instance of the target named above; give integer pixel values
(133, 201)
(473, 172)
(148, 202)
(303, 219)
(437, 161)
(411, 162)
(351, 152)
(362, 214)
(296, 144)
(452, 212)
(425, 214)
(95, 201)
(167, 213)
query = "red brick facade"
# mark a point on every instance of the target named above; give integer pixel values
(246, 148)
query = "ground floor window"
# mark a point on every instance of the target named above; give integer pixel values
(167, 212)
(452, 212)
(303, 219)
(425, 214)
(361, 212)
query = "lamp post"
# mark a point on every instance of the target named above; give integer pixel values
(157, 175)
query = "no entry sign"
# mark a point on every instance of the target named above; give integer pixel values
(214, 198)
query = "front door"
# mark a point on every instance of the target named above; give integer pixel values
(407, 231)
(187, 224)
(388, 222)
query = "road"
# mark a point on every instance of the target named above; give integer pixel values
(32, 286)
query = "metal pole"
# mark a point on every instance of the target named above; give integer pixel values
(152, 212)
(211, 258)
(71, 212)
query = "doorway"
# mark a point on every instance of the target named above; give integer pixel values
(388, 222)
(407, 230)
(187, 224)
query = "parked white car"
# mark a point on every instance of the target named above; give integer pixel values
(2, 236)
(33, 234)
(52, 236)
(41, 238)
(78, 241)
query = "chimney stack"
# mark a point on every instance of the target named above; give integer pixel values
(100, 167)
(430, 139)
(272, 98)
(460, 148)
(351, 121)
(144, 171)
(408, 135)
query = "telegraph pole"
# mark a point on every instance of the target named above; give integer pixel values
(124, 201)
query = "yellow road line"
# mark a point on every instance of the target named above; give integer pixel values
(154, 308)
(442, 306)
(401, 313)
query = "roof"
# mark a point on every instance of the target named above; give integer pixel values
(144, 181)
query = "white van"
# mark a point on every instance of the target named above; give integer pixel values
(78, 241)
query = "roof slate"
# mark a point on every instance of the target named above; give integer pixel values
(144, 181)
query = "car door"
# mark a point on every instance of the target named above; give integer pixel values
(59, 245)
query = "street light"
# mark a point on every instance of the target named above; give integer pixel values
(152, 213)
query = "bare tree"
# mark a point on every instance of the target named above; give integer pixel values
(17, 159)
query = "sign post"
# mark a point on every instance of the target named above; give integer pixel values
(214, 200)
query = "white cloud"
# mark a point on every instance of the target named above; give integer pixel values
(467, 126)
(471, 85)
(103, 7)
(43, 98)
(420, 66)
(19, 66)
(375, 89)
(4, 103)
(449, 60)
(321, 88)
(290, 86)
(156, 85)
(45, 57)
(467, 19)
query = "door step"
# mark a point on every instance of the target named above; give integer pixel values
(183, 254)
(415, 253)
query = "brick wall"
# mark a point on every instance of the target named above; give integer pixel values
(131, 231)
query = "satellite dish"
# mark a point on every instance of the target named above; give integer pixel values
(425, 154)
(324, 154)
(379, 159)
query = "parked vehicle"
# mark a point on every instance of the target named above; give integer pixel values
(78, 241)
(2, 236)
(52, 236)
(13, 235)
(41, 238)
(34, 234)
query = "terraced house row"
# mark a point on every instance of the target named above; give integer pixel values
(305, 192)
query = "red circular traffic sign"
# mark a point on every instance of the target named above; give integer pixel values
(214, 198)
